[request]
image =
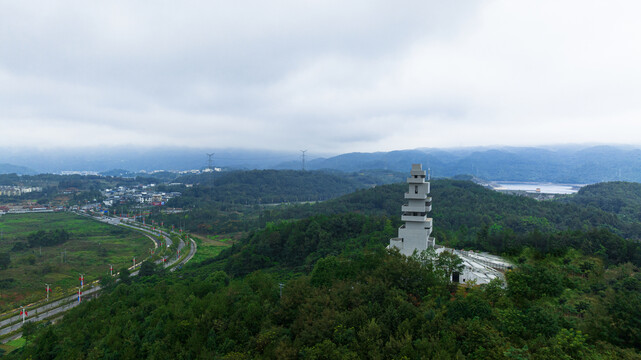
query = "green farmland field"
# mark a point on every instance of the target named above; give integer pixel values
(92, 246)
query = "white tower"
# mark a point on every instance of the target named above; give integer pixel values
(415, 234)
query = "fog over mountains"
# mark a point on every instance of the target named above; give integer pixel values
(568, 164)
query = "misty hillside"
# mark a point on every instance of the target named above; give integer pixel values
(15, 169)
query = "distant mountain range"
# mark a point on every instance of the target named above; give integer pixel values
(569, 164)
(15, 169)
(135, 159)
(564, 165)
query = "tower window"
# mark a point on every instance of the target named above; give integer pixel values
(415, 189)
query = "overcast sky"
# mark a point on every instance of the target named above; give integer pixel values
(328, 76)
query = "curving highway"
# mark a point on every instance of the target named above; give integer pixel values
(55, 308)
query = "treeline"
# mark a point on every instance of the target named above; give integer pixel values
(463, 211)
(368, 305)
(264, 187)
(463, 204)
(297, 245)
(460, 209)
(597, 242)
(230, 202)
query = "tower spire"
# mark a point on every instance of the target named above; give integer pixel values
(415, 233)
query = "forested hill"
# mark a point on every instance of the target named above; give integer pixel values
(464, 206)
(467, 215)
(265, 186)
(230, 201)
(573, 294)
(365, 305)
(621, 198)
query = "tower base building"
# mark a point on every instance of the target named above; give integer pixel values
(414, 235)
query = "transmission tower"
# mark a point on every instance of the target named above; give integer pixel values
(210, 161)
(303, 157)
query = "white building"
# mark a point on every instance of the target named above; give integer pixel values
(414, 235)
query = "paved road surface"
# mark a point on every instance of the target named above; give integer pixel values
(43, 308)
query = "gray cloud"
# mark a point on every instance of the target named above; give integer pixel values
(322, 75)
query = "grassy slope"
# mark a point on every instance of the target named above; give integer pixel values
(209, 247)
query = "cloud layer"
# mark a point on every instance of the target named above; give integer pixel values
(323, 75)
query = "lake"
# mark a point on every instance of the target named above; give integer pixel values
(544, 188)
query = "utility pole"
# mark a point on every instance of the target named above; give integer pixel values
(79, 295)
(82, 280)
(210, 161)
(303, 157)
(134, 263)
(280, 289)
(23, 312)
(48, 291)
(111, 269)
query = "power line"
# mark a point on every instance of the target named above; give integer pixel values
(210, 161)
(303, 157)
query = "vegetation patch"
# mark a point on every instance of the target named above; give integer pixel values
(208, 248)
(54, 248)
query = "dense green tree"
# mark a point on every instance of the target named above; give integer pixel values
(5, 260)
(147, 268)
(123, 276)
(367, 304)
(449, 263)
(48, 238)
(574, 293)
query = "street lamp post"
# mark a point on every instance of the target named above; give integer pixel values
(23, 312)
